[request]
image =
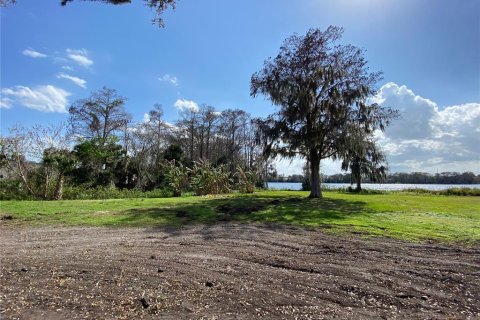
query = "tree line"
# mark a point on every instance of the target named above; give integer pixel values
(414, 178)
(322, 89)
(101, 146)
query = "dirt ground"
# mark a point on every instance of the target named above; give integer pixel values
(231, 271)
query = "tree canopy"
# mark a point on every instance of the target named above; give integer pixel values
(322, 88)
(100, 116)
(158, 5)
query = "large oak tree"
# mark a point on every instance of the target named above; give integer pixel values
(321, 88)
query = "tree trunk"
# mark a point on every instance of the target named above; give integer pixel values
(316, 190)
(24, 178)
(356, 173)
(47, 182)
(207, 151)
(59, 188)
(201, 144)
(359, 183)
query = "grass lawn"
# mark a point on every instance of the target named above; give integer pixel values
(401, 215)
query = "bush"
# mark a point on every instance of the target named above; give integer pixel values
(448, 192)
(207, 179)
(176, 177)
(14, 190)
(246, 180)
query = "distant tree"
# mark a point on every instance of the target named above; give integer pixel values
(148, 140)
(363, 157)
(467, 178)
(208, 119)
(14, 151)
(319, 86)
(173, 152)
(359, 152)
(188, 132)
(232, 122)
(44, 138)
(63, 161)
(100, 116)
(22, 150)
(440, 178)
(97, 161)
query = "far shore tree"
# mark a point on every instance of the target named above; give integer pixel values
(321, 87)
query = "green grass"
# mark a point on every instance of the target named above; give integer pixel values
(401, 215)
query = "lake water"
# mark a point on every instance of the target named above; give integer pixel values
(373, 186)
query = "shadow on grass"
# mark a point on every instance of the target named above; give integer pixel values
(244, 209)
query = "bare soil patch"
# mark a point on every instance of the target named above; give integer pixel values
(230, 271)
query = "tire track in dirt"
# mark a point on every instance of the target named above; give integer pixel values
(231, 271)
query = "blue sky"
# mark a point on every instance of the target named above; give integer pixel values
(429, 51)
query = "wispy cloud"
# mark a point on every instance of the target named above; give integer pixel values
(46, 98)
(170, 79)
(5, 103)
(33, 54)
(79, 82)
(182, 105)
(80, 56)
(67, 68)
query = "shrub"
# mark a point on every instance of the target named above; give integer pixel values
(207, 179)
(14, 190)
(176, 176)
(449, 192)
(246, 180)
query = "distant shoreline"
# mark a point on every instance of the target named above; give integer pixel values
(374, 186)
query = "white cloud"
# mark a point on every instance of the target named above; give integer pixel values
(146, 118)
(170, 125)
(288, 167)
(415, 111)
(182, 105)
(168, 78)
(33, 54)
(80, 57)
(67, 68)
(429, 138)
(5, 103)
(79, 82)
(426, 138)
(43, 98)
